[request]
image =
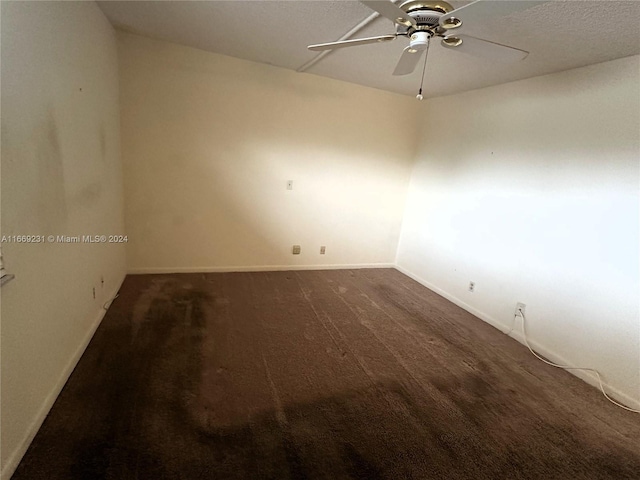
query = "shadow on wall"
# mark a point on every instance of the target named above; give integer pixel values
(210, 142)
(236, 210)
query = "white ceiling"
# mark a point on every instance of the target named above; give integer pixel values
(559, 35)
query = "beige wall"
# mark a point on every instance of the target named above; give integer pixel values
(534, 196)
(61, 174)
(210, 141)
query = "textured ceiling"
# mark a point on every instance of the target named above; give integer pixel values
(559, 35)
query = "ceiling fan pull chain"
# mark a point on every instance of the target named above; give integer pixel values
(424, 68)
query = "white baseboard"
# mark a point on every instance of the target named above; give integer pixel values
(14, 459)
(256, 268)
(586, 376)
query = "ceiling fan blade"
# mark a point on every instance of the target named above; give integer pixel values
(351, 43)
(408, 61)
(391, 11)
(484, 48)
(480, 10)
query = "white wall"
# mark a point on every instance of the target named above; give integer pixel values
(210, 141)
(61, 174)
(530, 189)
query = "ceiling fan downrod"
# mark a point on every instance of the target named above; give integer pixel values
(424, 69)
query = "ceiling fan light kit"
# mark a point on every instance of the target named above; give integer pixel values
(420, 40)
(420, 20)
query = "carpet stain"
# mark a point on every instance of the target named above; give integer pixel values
(359, 374)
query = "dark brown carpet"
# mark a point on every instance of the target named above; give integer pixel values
(318, 375)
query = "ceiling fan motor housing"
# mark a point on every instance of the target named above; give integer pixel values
(422, 5)
(427, 15)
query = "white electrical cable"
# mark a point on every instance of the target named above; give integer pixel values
(567, 367)
(109, 302)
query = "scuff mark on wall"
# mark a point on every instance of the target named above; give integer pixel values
(88, 195)
(51, 206)
(103, 143)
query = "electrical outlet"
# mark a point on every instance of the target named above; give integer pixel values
(322, 250)
(472, 287)
(289, 184)
(520, 307)
(296, 250)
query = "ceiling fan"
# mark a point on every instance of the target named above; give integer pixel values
(421, 20)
